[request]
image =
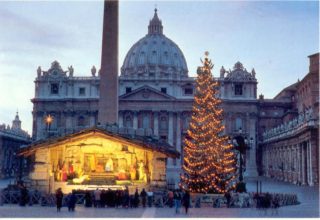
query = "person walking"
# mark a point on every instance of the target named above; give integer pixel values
(59, 197)
(143, 196)
(177, 201)
(186, 201)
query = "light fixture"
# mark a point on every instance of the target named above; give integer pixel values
(49, 119)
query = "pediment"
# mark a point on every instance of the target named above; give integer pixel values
(146, 93)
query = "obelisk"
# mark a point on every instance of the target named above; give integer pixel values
(108, 101)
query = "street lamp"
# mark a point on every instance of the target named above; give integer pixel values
(240, 144)
(48, 121)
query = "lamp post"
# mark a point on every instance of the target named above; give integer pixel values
(240, 144)
(48, 121)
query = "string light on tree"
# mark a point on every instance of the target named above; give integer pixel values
(209, 161)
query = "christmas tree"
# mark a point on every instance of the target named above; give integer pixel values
(209, 161)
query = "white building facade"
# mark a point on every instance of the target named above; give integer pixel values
(155, 97)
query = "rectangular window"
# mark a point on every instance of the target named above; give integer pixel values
(82, 91)
(238, 89)
(164, 90)
(188, 91)
(151, 74)
(128, 89)
(54, 88)
(163, 137)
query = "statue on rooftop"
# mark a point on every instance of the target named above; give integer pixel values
(39, 71)
(70, 68)
(93, 71)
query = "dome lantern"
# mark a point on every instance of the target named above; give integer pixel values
(155, 25)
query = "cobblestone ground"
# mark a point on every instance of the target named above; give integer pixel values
(308, 196)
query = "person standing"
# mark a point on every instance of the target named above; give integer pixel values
(103, 199)
(87, 199)
(126, 198)
(72, 199)
(59, 197)
(228, 198)
(143, 196)
(186, 201)
(136, 199)
(97, 197)
(170, 199)
(23, 195)
(150, 198)
(177, 201)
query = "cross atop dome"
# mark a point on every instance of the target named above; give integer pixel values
(155, 25)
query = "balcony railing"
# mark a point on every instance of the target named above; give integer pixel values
(291, 127)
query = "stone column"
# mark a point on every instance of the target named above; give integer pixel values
(251, 166)
(266, 162)
(298, 163)
(120, 119)
(170, 135)
(135, 120)
(178, 138)
(156, 123)
(288, 162)
(310, 163)
(302, 164)
(40, 127)
(92, 119)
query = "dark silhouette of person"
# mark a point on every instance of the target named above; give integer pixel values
(59, 197)
(186, 201)
(228, 197)
(136, 199)
(72, 201)
(143, 196)
(126, 198)
(88, 199)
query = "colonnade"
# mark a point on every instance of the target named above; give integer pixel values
(292, 163)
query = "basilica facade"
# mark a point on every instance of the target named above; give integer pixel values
(11, 139)
(155, 99)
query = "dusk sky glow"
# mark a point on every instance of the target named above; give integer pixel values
(273, 37)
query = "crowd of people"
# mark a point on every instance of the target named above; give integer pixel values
(121, 198)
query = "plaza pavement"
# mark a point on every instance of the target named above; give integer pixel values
(308, 196)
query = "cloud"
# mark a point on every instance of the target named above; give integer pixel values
(22, 33)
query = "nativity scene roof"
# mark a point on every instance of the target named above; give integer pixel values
(145, 142)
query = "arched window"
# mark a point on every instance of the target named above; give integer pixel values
(163, 123)
(145, 121)
(128, 123)
(81, 121)
(238, 124)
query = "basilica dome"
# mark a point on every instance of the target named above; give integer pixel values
(155, 55)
